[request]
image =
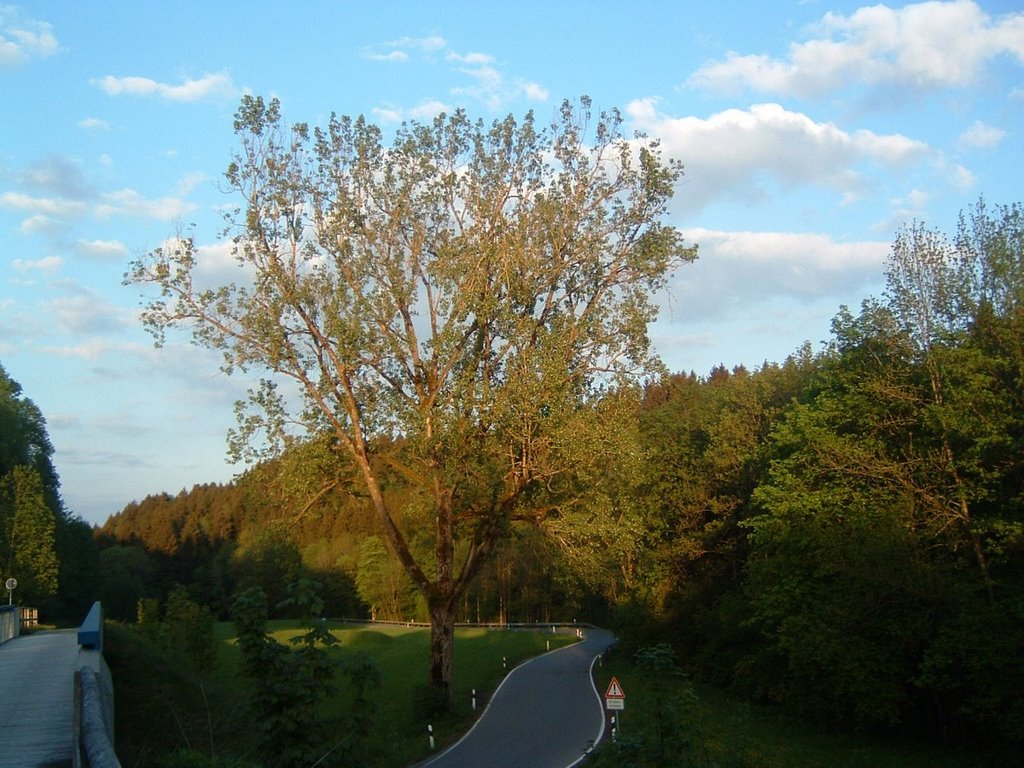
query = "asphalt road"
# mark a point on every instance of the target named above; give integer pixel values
(546, 714)
(36, 692)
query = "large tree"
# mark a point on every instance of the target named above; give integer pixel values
(448, 308)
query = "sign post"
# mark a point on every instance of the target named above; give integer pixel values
(615, 701)
(11, 585)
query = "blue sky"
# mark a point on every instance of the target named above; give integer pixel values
(809, 130)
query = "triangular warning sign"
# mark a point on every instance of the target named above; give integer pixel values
(614, 690)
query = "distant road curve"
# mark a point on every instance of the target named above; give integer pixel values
(545, 714)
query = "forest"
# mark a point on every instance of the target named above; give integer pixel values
(841, 533)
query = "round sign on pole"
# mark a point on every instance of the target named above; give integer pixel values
(11, 584)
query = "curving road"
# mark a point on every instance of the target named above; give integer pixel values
(545, 714)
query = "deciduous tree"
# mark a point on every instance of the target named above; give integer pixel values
(463, 292)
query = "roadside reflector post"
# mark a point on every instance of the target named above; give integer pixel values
(430, 733)
(474, 699)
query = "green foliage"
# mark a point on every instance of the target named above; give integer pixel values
(28, 528)
(268, 561)
(382, 582)
(676, 711)
(164, 709)
(288, 688)
(126, 577)
(188, 629)
(729, 733)
(49, 551)
(885, 577)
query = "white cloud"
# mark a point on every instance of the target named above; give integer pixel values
(47, 206)
(84, 313)
(102, 250)
(45, 264)
(22, 38)
(94, 124)
(962, 178)
(428, 110)
(473, 59)
(390, 56)
(402, 49)
(739, 270)
(533, 91)
(129, 202)
(981, 136)
(388, 114)
(215, 262)
(189, 182)
(424, 111)
(488, 83)
(923, 46)
(730, 153)
(210, 86)
(909, 207)
(40, 225)
(92, 349)
(57, 176)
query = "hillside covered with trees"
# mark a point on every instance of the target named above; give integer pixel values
(841, 533)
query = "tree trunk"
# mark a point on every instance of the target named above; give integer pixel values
(442, 648)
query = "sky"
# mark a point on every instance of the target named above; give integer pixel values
(810, 132)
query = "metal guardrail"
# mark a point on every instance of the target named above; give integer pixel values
(552, 625)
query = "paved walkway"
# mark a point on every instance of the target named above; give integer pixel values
(36, 695)
(546, 714)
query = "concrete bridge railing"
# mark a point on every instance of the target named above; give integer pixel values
(10, 622)
(93, 715)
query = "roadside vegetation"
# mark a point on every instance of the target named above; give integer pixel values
(673, 721)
